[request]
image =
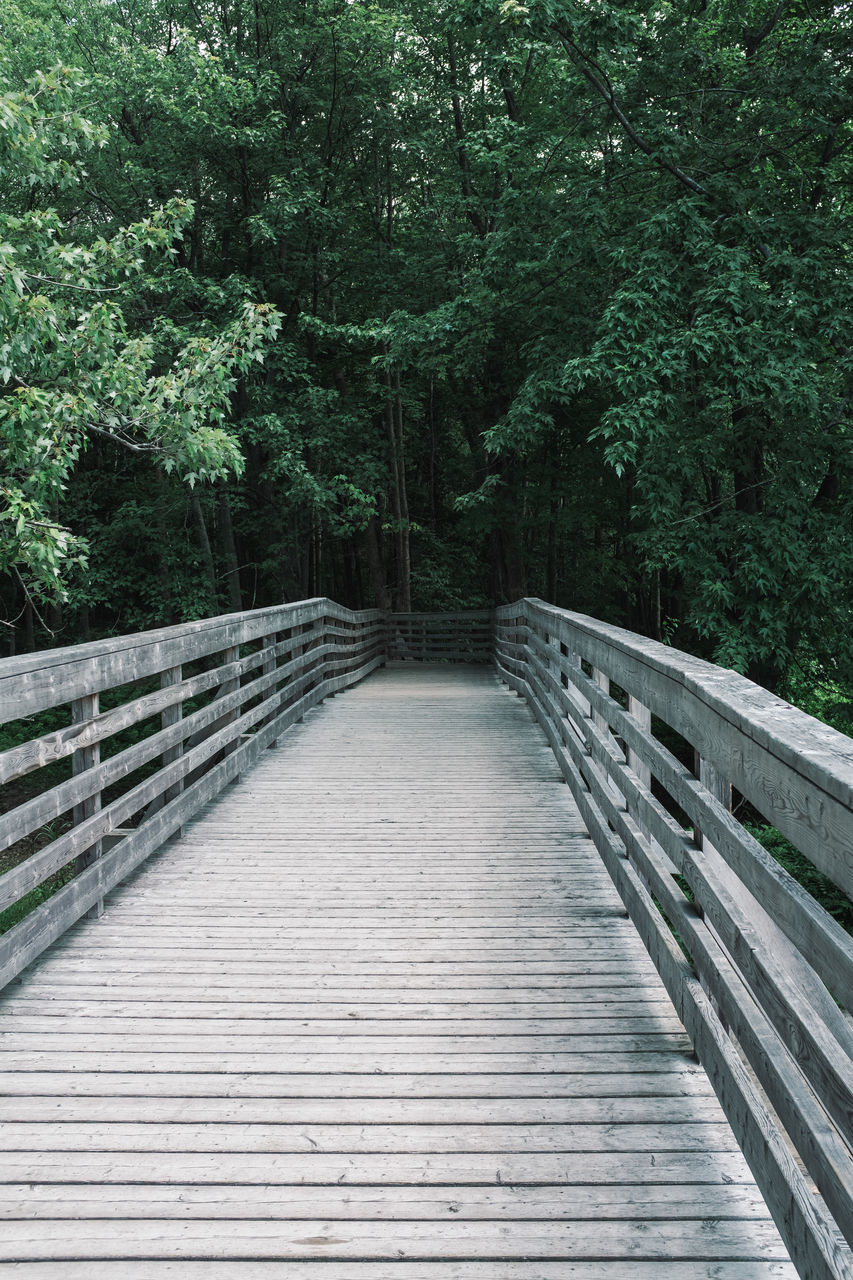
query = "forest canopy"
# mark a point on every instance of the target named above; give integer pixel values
(430, 307)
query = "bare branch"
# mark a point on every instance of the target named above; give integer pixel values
(30, 601)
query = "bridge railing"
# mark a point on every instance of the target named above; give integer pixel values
(135, 734)
(466, 636)
(766, 987)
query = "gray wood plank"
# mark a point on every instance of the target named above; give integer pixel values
(187, 1269)
(324, 1238)
(356, 1110)
(413, 1204)
(342, 1169)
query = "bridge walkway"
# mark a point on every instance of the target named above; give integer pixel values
(379, 1015)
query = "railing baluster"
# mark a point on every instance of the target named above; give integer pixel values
(602, 681)
(172, 715)
(719, 787)
(575, 694)
(82, 711)
(642, 714)
(268, 666)
(231, 654)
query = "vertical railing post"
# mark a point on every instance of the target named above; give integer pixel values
(720, 788)
(317, 632)
(229, 655)
(642, 714)
(602, 681)
(574, 661)
(553, 642)
(564, 653)
(325, 623)
(299, 651)
(269, 665)
(83, 710)
(172, 715)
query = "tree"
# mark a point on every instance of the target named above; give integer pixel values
(564, 297)
(71, 367)
(721, 359)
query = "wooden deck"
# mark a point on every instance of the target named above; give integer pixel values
(379, 1015)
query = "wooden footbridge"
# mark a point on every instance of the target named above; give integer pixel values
(401, 1005)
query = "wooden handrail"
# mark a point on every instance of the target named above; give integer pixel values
(214, 694)
(766, 987)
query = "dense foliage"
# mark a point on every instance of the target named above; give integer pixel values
(431, 306)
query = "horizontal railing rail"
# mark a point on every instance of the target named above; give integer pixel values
(466, 636)
(765, 988)
(135, 734)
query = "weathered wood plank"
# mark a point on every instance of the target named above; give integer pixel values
(52, 1111)
(187, 1269)
(680, 1081)
(336, 1169)
(317, 1238)
(482, 1005)
(398, 1138)
(386, 1060)
(269, 1203)
(630, 1025)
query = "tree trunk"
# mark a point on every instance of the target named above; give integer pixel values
(471, 212)
(204, 544)
(229, 553)
(376, 567)
(551, 565)
(405, 566)
(515, 578)
(399, 499)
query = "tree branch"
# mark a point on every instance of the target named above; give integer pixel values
(752, 43)
(66, 284)
(602, 85)
(123, 440)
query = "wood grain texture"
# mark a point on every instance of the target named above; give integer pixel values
(795, 770)
(769, 958)
(380, 1013)
(788, 991)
